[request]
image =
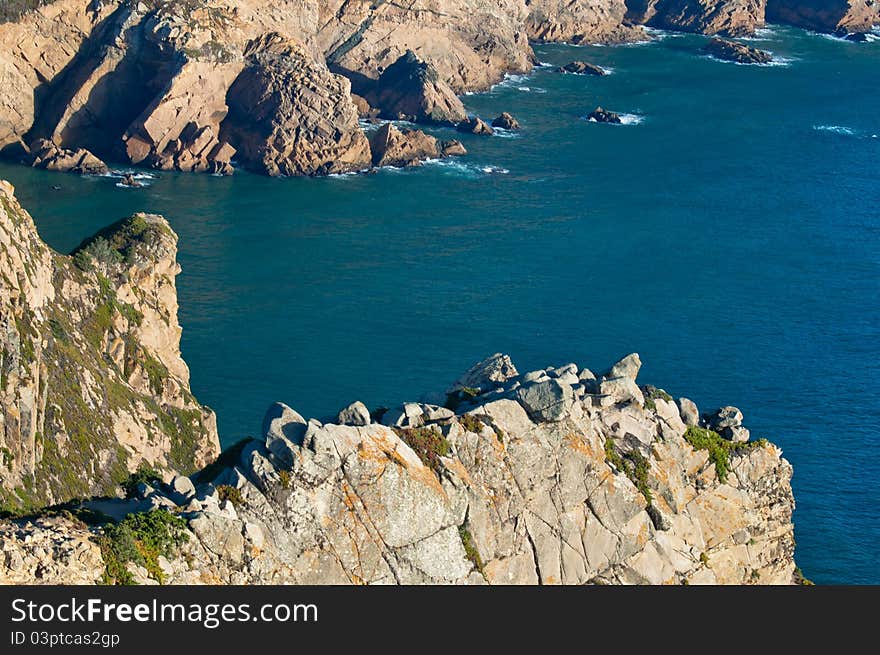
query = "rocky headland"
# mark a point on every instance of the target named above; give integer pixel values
(277, 87)
(553, 476)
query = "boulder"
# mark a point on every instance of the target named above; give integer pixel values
(50, 156)
(599, 115)
(620, 390)
(582, 68)
(283, 428)
(355, 414)
(736, 434)
(475, 125)
(400, 148)
(488, 374)
(628, 367)
(689, 412)
(726, 417)
(547, 401)
(737, 52)
(414, 415)
(452, 148)
(182, 489)
(506, 122)
(411, 89)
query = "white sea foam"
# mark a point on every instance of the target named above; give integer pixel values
(458, 167)
(625, 119)
(761, 34)
(505, 134)
(777, 62)
(837, 129)
(531, 89)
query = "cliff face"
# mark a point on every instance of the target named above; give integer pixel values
(551, 477)
(93, 383)
(726, 17)
(826, 15)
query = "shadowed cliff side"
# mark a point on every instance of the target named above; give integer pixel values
(93, 383)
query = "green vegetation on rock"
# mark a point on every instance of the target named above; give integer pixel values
(719, 448)
(141, 539)
(632, 464)
(428, 443)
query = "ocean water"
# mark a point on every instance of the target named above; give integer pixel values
(729, 233)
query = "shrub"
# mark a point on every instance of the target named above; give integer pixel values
(471, 423)
(719, 448)
(145, 474)
(230, 493)
(428, 443)
(632, 464)
(470, 550)
(140, 538)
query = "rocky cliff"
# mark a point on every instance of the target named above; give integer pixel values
(726, 17)
(549, 477)
(92, 384)
(826, 15)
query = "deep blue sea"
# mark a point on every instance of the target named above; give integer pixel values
(730, 233)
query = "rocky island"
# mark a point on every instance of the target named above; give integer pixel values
(553, 476)
(277, 87)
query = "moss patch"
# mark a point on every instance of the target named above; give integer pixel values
(428, 443)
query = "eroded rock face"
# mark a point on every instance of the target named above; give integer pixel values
(581, 21)
(737, 52)
(289, 115)
(411, 89)
(725, 17)
(534, 474)
(93, 383)
(46, 154)
(848, 16)
(400, 148)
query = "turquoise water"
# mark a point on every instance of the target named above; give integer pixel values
(730, 237)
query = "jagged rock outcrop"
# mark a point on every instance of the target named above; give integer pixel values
(725, 17)
(846, 16)
(582, 68)
(475, 125)
(599, 115)
(46, 154)
(506, 122)
(289, 115)
(411, 89)
(550, 477)
(400, 148)
(580, 21)
(737, 52)
(92, 383)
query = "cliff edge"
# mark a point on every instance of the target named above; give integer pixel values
(93, 385)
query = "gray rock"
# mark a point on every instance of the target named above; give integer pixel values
(564, 370)
(628, 367)
(726, 417)
(689, 412)
(546, 401)
(535, 376)
(620, 390)
(283, 429)
(488, 374)
(355, 414)
(182, 489)
(736, 434)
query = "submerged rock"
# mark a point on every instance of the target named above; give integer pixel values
(582, 68)
(475, 125)
(737, 52)
(506, 121)
(599, 115)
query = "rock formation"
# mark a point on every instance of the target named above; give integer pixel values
(580, 21)
(475, 125)
(582, 68)
(738, 52)
(289, 115)
(599, 115)
(506, 122)
(400, 148)
(549, 477)
(45, 154)
(411, 89)
(846, 16)
(726, 17)
(92, 384)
